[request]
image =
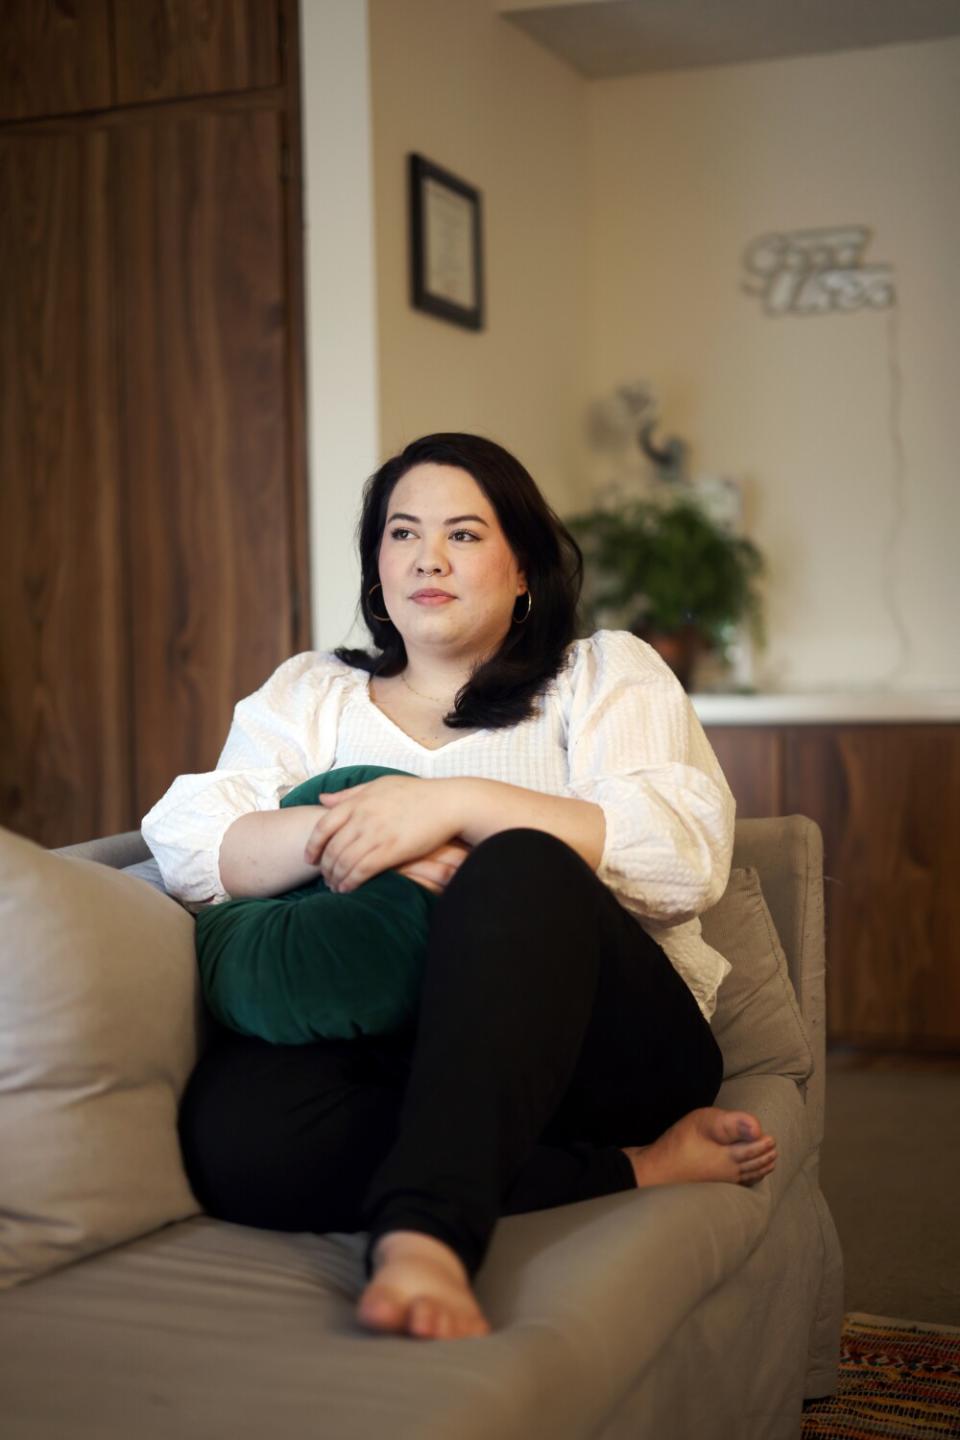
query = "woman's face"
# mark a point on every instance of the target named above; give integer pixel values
(450, 580)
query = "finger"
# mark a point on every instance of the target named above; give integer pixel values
(333, 798)
(340, 858)
(342, 842)
(326, 827)
(427, 871)
(373, 862)
(450, 854)
(424, 881)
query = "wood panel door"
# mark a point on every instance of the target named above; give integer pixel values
(887, 798)
(152, 456)
(203, 335)
(54, 57)
(60, 59)
(171, 49)
(65, 737)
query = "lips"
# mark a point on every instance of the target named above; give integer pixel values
(431, 595)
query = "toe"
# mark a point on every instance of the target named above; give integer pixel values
(380, 1309)
(752, 1150)
(423, 1317)
(728, 1126)
(756, 1169)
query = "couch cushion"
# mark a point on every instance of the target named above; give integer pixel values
(99, 1030)
(757, 1022)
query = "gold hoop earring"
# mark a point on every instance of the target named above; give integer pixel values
(522, 619)
(385, 619)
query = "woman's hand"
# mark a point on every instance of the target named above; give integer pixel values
(386, 824)
(435, 870)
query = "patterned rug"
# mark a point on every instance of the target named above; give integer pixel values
(899, 1380)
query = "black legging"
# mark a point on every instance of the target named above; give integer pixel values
(552, 1031)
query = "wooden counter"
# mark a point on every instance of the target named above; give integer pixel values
(886, 794)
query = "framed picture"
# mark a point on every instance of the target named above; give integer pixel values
(445, 245)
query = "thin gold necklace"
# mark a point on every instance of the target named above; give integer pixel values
(433, 698)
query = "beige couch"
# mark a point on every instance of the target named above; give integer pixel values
(702, 1310)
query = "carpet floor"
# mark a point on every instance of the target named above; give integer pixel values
(899, 1380)
(890, 1171)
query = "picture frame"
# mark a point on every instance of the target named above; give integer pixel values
(446, 244)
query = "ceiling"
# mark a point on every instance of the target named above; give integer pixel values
(638, 37)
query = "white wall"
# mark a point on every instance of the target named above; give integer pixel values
(453, 81)
(689, 167)
(342, 363)
(617, 212)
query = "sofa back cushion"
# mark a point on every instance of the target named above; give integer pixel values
(99, 1029)
(757, 1022)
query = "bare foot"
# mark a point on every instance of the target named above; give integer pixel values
(419, 1287)
(707, 1144)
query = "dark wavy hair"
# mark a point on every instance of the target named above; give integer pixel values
(500, 691)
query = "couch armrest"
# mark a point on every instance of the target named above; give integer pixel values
(787, 853)
(117, 851)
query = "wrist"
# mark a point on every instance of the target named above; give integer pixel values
(463, 803)
(479, 808)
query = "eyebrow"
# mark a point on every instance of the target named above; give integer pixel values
(453, 520)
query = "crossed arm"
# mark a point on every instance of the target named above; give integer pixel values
(423, 828)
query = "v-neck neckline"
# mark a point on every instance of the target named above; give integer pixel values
(426, 749)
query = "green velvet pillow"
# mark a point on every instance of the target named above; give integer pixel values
(311, 964)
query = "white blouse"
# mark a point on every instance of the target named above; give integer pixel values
(615, 727)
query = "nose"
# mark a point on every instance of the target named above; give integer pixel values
(429, 562)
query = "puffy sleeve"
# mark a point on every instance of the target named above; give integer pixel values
(637, 749)
(282, 734)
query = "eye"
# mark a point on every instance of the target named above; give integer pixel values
(465, 534)
(398, 532)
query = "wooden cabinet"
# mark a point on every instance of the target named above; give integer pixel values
(152, 473)
(752, 760)
(887, 797)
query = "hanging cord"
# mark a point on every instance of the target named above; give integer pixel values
(890, 579)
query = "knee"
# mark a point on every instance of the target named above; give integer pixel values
(523, 903)
(526, 858)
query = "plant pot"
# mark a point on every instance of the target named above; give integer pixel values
(680, 648)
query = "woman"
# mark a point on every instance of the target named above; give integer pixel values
(566, 808)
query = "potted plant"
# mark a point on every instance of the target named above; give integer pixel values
(672, 575)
